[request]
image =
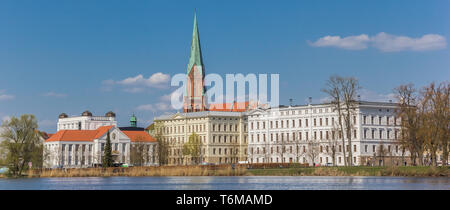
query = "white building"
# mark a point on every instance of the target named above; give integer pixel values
(86, 121)
(308, 134)
(83, 146)
(223, 135)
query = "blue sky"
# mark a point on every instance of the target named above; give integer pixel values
(69, 56)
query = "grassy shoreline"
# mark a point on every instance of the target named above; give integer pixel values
(409, 171)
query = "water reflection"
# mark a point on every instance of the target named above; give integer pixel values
(230, 183)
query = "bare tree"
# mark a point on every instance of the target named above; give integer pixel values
(313, 150)
(343, 93)
(381, 154)
(138, 153)
(334, 91)
(162, 150)
(349, 88)
(266, 152)
(283, 147)
(408, 112)
(435, 129)
(297, 142)
(333, 144)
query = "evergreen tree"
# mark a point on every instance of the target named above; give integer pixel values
(107, 156)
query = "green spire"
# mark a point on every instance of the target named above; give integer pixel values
(196, 52)
(133, 121)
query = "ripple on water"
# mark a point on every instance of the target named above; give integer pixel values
(229, 183)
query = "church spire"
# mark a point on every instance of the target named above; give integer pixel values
(196, 52)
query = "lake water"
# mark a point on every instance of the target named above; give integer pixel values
(228, 183)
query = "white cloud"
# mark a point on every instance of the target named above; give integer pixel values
(138, 83)
(159, 78)
(384, 42)
(369, 95)
(4, 97)
(366, 95)
(53, 94)
(156, 80)
(326, 99)
(5, 118)
(155, 107)
(391, 43)
(350, 43)
(168, 97)
(134, 90)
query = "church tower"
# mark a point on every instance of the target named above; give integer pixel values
(194, 98)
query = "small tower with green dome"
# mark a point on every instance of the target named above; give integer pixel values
(133, 121)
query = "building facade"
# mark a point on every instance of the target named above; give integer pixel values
(223, 136)
(86, 121)
(80, 147)
(310, 134)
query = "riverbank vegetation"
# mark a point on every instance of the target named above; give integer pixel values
(141, 171)
(227, 170)
(416, 171)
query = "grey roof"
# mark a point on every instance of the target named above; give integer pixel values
(370, 103)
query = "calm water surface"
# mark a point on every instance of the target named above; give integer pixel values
(228, 183)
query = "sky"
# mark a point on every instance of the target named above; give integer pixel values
(71, 56)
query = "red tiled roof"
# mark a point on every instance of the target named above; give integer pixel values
(229, 107)
(139, 136)
(79, 135)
